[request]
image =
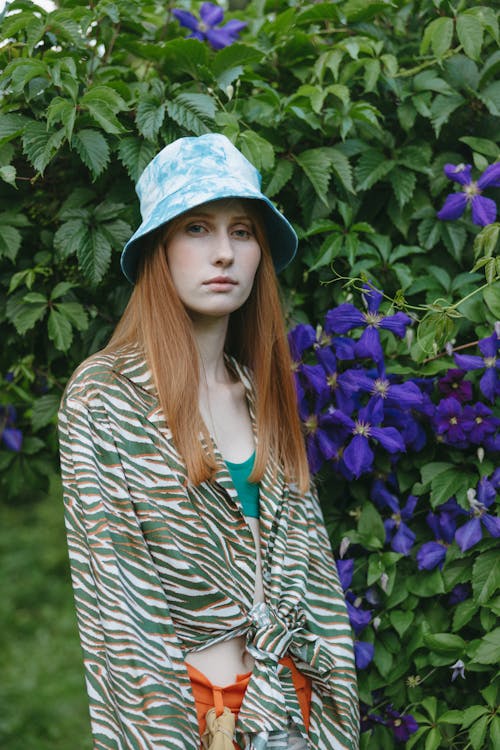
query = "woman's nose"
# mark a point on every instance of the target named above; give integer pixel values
(224, 253)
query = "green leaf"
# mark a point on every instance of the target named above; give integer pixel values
(317, 170)
(490, 96)
(280, 175)
(185, 56)
(8, 174)
(464, 612)
(75, 313)
(341, 167)
(426, 584)
(135, 154)
(363, 10)
(104, 115)
(447, 484)
(372, 167)
(403, 185)
(495, 731)
(149, 117)
(94, 255)
(470, 34)
(44, 410)
(491, 296)
(63, 111)
(489, 648)
(485, 576)
(401, 621)
(442, 108)
(69, 237)
(185, 111)
(438, 35)
(482, 146)
(23, 314)
(433, 739)
(477, 733)
(60, 331)
(11, 126)
(40, 145)
(257, 150)
(230, 61)
(93, 150)
(445, 643)
(10, 242)
(371, 526)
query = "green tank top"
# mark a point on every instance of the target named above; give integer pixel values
(248, 492)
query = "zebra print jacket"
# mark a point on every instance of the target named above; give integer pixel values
(161, 567)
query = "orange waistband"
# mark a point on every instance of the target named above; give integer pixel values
(207, 695)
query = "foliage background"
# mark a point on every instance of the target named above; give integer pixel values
(350, 109)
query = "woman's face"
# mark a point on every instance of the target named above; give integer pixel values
(213, 255)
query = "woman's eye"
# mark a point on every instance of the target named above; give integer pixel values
(195, 228)
(243, 232)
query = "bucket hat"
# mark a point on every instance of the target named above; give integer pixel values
(194, 170)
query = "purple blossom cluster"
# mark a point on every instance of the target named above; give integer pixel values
(402, 725)
(10, 435)
(483, 210)
(207, 27)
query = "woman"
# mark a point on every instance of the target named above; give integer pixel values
(208, 603)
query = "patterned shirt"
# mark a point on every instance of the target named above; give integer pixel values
(161, 567)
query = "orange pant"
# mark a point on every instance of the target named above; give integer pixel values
(207, 695)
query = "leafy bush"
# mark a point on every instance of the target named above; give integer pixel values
(351, 110)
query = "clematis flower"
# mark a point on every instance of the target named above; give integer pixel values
(484, 210)
(449, 422)
(404, 396)
(432, 554)
(345, 317)
(459, 593)
(479, 423)
(398, 533)
(453, 384)
(10, 435)
(358, 455)
(345, 569)
(490, 381)
(363, 653)
(207, 27)
(480, 501)
(403, 725)
(322, 443)
(458, 669)
(369, 720)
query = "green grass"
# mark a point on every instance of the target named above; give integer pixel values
(43, 704)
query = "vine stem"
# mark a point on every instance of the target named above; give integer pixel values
(455, 349)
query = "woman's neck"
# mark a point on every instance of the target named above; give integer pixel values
(210, 337)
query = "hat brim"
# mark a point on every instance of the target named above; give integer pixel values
(281, 236)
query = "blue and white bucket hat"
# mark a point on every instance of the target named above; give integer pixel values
(193, 171)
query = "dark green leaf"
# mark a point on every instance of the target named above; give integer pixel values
(59, 329)
(10, 242)
(24, 315)
(470, 34)
(372, 167)
(442, 108)
(485, 576)
(92, 149)
(280, 175)
(317, 169)
(45, 410)
(94, 255)
(135, 154)
(446, 643)
(257, 150)
(40, 145)
(149, 117)
(75, 314)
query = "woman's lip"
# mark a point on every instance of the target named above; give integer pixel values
(220, 280)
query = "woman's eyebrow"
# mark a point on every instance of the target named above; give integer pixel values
(206, 215)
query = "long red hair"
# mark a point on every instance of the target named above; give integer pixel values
(155, 319)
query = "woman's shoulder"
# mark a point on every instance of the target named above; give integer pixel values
(102, 371)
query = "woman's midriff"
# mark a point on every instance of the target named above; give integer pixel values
(208, 695)
(221, 662)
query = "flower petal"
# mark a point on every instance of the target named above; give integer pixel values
(13, 439)
(484, 210)
(489, 383)
(211, 14)
(469, 534)
(218, 39)
(234, 27)
(389, 438)
(342, 318)
(345, 570)
(453, 207)
(363, 653)
(186, 19)
(492, 524)
(469, 361)
(358, 456)
(461, 173)
(300, 338)
(430, 555)
(396, 323)
(369, 345)
(372, 298)
(403, 540)
(490, 176)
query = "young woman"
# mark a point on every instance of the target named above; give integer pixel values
(209, 608)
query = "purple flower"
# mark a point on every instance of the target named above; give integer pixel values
(345, 569)
(449, 422)
(358, 455)
(11, 437)
(345, 317)
(397, 532)
(321, 444)
(443, 525)
(479, 423)
(484, 210)
(363, 653)
(358, 617)
(300, 338)
(459, 593)
(489, 383)
(453, 384)
(479, 501)
(403, 725)
(405, 396)
(205, 28)
(369, 720)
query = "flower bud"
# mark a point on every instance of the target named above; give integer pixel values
(480, 454)
(344, 546)
(229, 91)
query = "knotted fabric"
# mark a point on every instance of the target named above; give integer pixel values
(270, 635)
(219, 732)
